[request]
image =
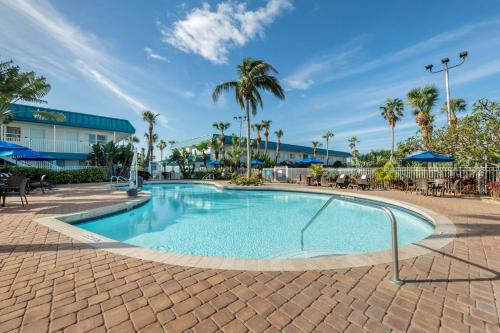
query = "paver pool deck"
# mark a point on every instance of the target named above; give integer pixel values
(51, 282)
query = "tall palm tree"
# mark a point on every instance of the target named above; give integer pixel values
(422, 100)
(254, 75)
(132, 139)
(392, 112)
(215, 146)
(456, 105)
(266, 124)
(315, 146)
(150, 118)
(152, 140)
(279, 135)
(353, 141)
(203, 146)
(328, 135)
(257, 128)
(162, 145)
(222, 127)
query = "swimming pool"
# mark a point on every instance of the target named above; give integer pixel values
(204, 220)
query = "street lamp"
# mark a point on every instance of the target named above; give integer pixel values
(463, 55)
(240, 119)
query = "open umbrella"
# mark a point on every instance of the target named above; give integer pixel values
(215, 162)
(257, 162)
(7, 148)
(428, 156)
(310, 160)
(30, 155)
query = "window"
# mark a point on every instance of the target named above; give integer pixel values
(13, 133)
(304, 156)
(292, 155)
(97, 138)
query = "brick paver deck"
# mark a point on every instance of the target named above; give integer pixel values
(48, 282)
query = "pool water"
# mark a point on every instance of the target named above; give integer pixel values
(206, 221)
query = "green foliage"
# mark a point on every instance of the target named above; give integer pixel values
(243, 180)
(261, 156)
(317, 170)
(375, 158)
(116, 158)
(186, 162)
(88, 175)
(385, 174)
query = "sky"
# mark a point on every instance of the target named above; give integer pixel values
(337, 60)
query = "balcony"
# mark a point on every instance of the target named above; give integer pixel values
(52, 146)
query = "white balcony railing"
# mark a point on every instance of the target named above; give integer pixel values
(55, 146)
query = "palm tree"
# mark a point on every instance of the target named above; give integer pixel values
(162, 145)
(203, 146)
(423, 100)
(152, 140)
(315, 146)
(328, 135)
(150, 118)
(254, 75)
(353, 141)
(257, 128)
(279, 134)
(132, 139)
(222, 127)
(392, 112)
(456, 105)
(266, 124)
(215, 146)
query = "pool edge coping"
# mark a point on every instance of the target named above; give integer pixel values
(443, 234)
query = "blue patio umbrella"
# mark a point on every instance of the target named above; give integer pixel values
(30, 155)
(310, 160)
(215, 162)
(428, 156)
(257, 162)
(7, 146)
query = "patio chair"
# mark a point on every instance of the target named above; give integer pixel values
(421, 185)
(364, 183)
(341, 181)
(352, 183)
(438, 186)
(41, 184)
(455, 187)
(409, 185)
(16, 185)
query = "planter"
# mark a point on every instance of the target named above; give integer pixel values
(132, 192)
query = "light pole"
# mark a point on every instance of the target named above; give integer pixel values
(463, 55)
(240, 118)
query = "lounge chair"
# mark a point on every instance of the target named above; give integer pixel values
(341, 181)
(364, 183)
(41, 184)
(16, 185)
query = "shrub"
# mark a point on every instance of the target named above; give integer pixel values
(88, 175)
(385, 174)
(494, 190)
(317, 170)
(242, 180)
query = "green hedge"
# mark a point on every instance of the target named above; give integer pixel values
(89, 175)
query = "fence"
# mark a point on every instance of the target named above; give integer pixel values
(476, 178)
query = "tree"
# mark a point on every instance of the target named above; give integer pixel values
(257, 128)
(162, 145)
(150, 118)
(254, 75)
(110, 151)
(16, 85)
(328, 135)
(132, 139)
(353, 141)
(222, 127)
(315, 146)
(392, 112)
(96, 154)
(151, 141)
(266, 124)
(422, 100)
(456, 105)
(203, 146)
(279, 135)
(215, 146)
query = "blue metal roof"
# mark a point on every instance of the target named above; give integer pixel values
(271, 145)
(73, 119)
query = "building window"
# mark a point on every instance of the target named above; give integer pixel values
(13, 133)
(292, 155)
(97, 138)
(304, 156)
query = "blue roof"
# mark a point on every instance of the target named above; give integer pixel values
(271, 145)
(73, 119)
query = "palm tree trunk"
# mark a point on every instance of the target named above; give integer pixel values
(265, 147)
(392, 142)
(327, 157)
(277, 152)
(247, 113)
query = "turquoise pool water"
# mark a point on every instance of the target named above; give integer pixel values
(206, 221)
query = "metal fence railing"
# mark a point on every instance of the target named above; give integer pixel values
(474, 179)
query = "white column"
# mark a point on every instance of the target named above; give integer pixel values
(114, 137)
(54, 138)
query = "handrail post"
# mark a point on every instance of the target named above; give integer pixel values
(395, 256)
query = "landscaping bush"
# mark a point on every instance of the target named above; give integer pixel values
(494, 190)
(242, 180)
(88, 175)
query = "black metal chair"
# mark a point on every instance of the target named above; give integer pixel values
(16, 185)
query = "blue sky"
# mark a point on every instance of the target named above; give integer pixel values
(338, 60)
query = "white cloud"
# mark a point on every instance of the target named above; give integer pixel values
(153, 55)
(212, 33)
(62, 48)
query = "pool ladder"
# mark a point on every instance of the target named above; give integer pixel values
(394, 231)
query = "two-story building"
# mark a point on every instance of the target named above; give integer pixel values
(287, 152)
(69, 136)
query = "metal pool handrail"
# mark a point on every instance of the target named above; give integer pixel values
(394, 232)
